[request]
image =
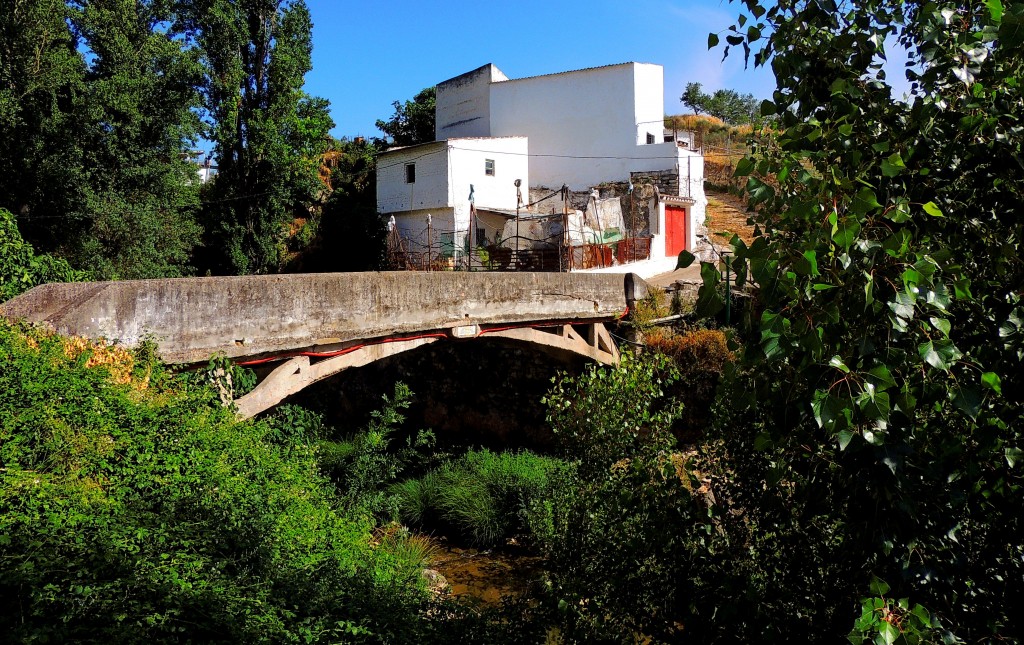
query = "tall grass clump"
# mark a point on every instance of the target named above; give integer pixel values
(482, 495)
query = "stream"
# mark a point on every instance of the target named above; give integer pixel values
(485, 576)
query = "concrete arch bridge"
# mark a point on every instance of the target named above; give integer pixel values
(313, 326)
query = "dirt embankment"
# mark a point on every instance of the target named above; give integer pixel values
(727, 216)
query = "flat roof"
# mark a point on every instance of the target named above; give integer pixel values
(573, 71)
(445, 141)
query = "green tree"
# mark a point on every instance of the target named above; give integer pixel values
(268, 133)
(97, 112)
(43, 177)
(880, 396)
(142, 97)
(413, 121)
(21, 268)
(695, 98)
(350, 213)
(728, 105)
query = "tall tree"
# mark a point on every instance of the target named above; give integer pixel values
(142, 97)
(413, 121)
(878, 421)
(42, 76)
(268, 134)
(97, 111)
(694, 98)
(728, 105)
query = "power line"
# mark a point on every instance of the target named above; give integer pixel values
(534, 154)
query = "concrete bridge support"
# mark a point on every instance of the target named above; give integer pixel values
(299, 372)
(320, 324)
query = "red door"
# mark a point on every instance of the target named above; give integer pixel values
(675, 230)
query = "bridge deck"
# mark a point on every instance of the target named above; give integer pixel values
(253, 316)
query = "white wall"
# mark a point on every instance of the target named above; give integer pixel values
(511, 161)
(444, 172)
(463, 104)
(583, 126)
(649, 102)
(412, 226)
(430, 190)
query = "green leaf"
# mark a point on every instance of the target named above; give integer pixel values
(900, 212)
(845, 437)
(864, 202)
(903, 306)
(712, 41)
(932, 209)
(685, 259)
(744, 167)
(888, 633)
(940, 354)
(838, 363)
(995, 9)
(878, 586)
(992, 381)
(844, 232)
(710, 300)
(893, 165)
(940, 324)
(880, 376)
(1013, 455)
(968, 399)
(962, 289)
(808, 265)
(831, 413)
(938, 297)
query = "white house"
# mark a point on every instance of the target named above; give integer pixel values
(579, 129)
(428, 188)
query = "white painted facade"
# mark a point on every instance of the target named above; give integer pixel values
(443, 173)
(463, 105)
(580, 128)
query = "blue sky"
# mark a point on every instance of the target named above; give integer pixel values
(367, 54)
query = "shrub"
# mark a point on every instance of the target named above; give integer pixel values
(142, 511)
(700, 356)
(20, 267)
(610, 413)
(634, 541)
(365, 464)
(483, 495)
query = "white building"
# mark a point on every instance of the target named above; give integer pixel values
(439, 179)
(579, 129)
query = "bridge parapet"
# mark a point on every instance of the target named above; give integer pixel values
(248, 317)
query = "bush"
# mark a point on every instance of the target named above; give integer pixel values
(132, 511)
(483, 495)
(364, 464)
(20, 267)
(610, 413)
(632, 536)
(700, 356)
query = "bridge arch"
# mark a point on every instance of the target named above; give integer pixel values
(323, 323)
(297, 372)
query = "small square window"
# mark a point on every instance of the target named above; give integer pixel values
(410, 173)
(650, 138)
(489, 167)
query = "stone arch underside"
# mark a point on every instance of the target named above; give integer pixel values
(589, 340)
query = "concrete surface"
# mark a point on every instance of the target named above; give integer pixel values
(252, 316)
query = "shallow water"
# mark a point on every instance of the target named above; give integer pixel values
(487, 575)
